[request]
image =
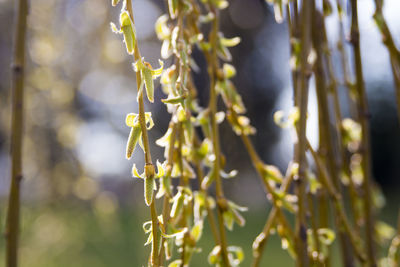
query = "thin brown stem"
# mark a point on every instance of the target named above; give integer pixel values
(17, 85)
(362, 105)
(301, 101)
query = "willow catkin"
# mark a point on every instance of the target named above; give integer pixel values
(148, 190)
(134, 136)
(148, 81)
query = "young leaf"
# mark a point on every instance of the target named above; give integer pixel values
(135, 172)
(172, 7)
(128, 30)
(177, 204)
(326, 235)
(229, 70)
(228, 219)
(149, 240)
(197, 230)
(134, 136)
(237, 255)
(131, 119)
(157, 72)
(230, 42)
(160, 169)
(215, 255)
(149, 120)
(162, 30)
(175, 233)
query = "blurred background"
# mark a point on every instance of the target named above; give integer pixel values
(80, 202)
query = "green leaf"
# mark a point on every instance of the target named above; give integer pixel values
(326, 236)
(157, 72)
(114, 28)
(229, 70)
(175, 233)
(238, 218)
(128, 30)
(270, 172)
(221, 4)
(230, 42)
(228, 219)
(237, 255)
(160, 169)
(219, 117)
(149, 120)
(177, 204)
(175, 263)
(209, 178)
(162, 30)
(149, 240)
(164, 140)
(114, 2)
(135, 172)
(134, 136)
(174, 100)
(147, 226)
(215, 255)
(197, 230)
(384, 231)
(314, 184)
(229, 175)
(172, 7)
(132, 119)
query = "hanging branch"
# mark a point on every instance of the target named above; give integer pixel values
(301, 101)
(261, 240)
(215, 132)
(17, 87)
(363, 113)
(141, 122)
(327, 145)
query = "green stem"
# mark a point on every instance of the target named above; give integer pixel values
(338, 205)
(215, 133)
(167, 197)
(362, 105)
(327, 144)
(200, 176)
(17, 85)
(262, 239)
(313, 219)
(301, 101)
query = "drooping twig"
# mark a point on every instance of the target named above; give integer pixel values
(215, 132)
(301, 101)
(363, 112)
(18, 66)
(149, 167)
